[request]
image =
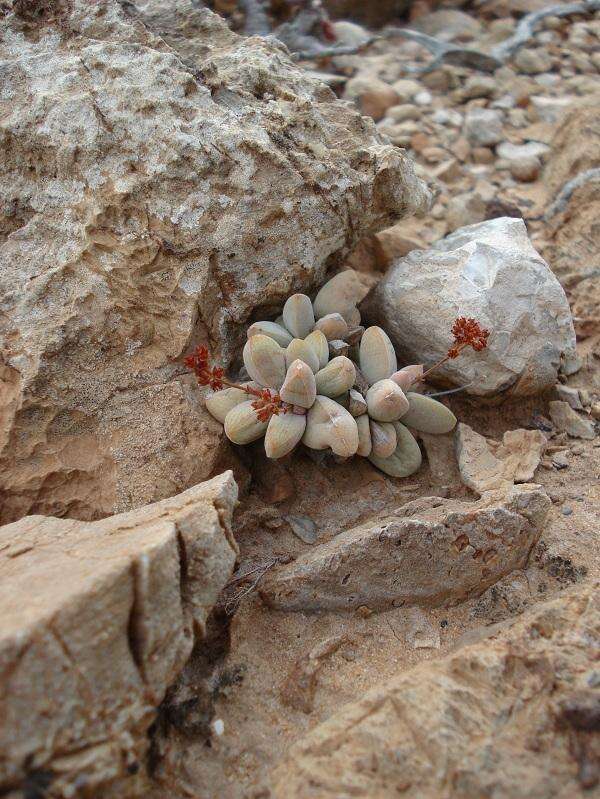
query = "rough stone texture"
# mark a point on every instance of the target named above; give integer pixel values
(569, 421)
(514, 715)
(489, 271)
(97, 620)
(153, 198)
(573, 249)
(484, 467)
(432, 552)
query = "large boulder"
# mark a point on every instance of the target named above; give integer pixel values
(155, 192)
(513, 715)
(96, 622)
(429, 552)
(489, 271)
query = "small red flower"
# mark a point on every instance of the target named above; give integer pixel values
(268, 405)
(467, 333)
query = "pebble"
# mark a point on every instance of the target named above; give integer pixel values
(532, 62)
(447, 116)
(479, 86)
(303, 528)
(483, 127)
(400, 113)
(560, 460)
(423, 98)
(566, 510)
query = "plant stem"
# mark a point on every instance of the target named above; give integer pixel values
(440, 363)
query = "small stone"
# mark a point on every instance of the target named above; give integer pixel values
(532, 62)
(403, 112)
(566, 510)
(482, 155)
(303, 528)
(406, 89)
(567, 420)
(372, 95)
(595, 410)
(483, 127)
(423, 98)
(479, 86)
(569, 395)
(449, 171)
(560, 460)
(577, 449)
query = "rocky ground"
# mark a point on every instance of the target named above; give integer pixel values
(490, 145)
(451, 649)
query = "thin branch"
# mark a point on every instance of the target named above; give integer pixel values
(526, 27)
(448, 53)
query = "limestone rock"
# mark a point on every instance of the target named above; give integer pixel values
(97, 621)
(432, 552)
(479, 468)
(162, 179)
(491, 272)
(514, 460)
(513, 715)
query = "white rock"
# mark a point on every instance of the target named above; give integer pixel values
(490, 272)
(483, 127)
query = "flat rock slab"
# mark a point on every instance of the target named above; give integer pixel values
(432, 552)
(511, 716)
(96, 621)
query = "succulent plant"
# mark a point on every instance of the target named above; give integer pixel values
(303, 390)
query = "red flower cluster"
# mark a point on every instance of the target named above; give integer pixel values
(199, 364)
(269, 405)
(467, 333)
(266, 404)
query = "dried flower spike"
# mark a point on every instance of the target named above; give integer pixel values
(266, 404)
(467, 333)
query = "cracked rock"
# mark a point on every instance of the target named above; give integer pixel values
(163, 178)
(513, 715)
(432, 553)
(96, 622)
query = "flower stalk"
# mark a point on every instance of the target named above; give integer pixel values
(266, 404)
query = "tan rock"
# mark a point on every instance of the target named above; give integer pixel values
(373, 95)
(97, 621)
(431, 552)
(514, 715)
(484, 468)
(156, 217)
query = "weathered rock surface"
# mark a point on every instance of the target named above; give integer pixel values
(514, 460)
(97, 620)
(569, 421)
(489, 271)
(432, 552)
(155, 192)
(514, 715)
